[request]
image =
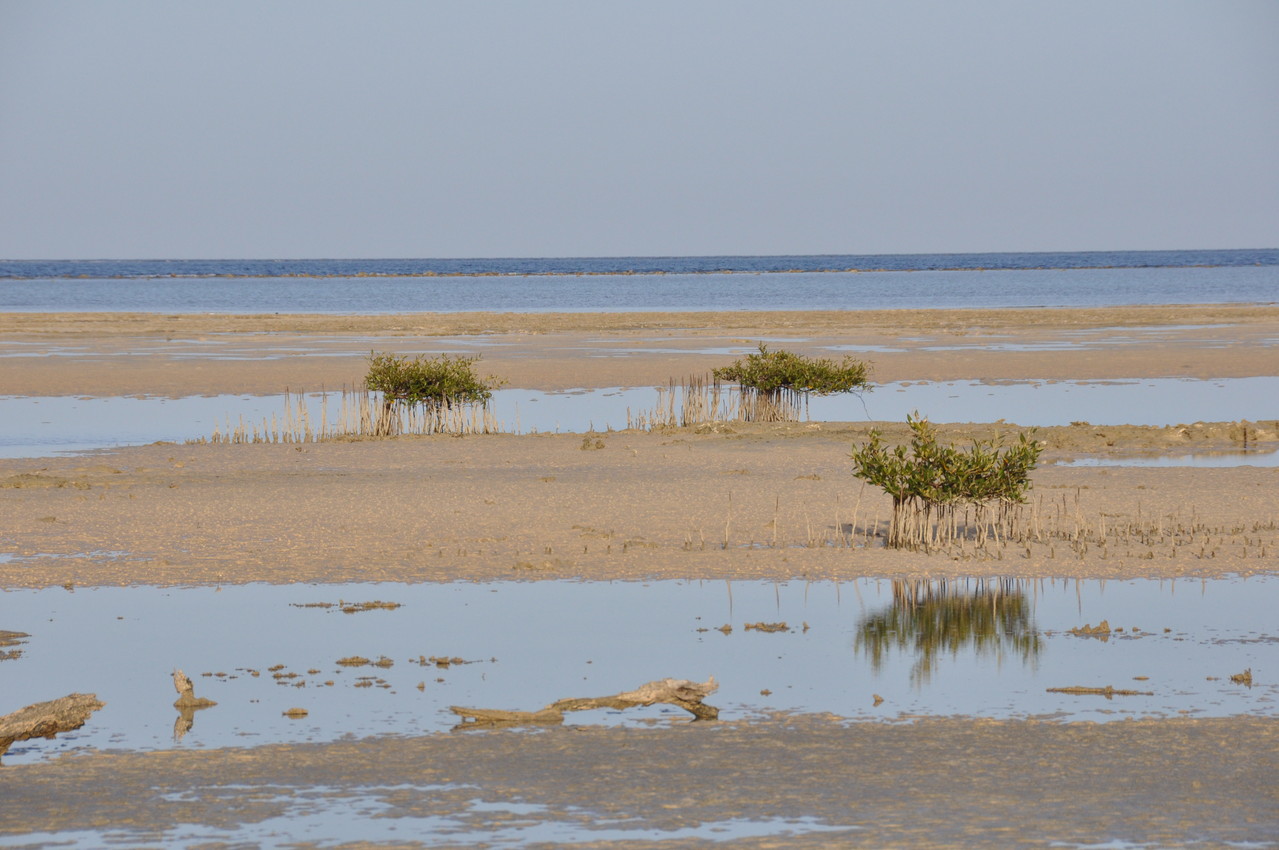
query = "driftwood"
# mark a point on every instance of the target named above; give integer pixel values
(1107, 692)
(679, 692)
(46, 719)
(186, 693)
(187, 704)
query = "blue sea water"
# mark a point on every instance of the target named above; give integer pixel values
(48, 269)
(1084, 279)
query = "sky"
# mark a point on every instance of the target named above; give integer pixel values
(559, 128)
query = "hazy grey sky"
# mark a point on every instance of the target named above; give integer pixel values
(661, 127)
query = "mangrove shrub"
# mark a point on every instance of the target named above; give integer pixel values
(437, 385)
(775, 383)
(930, 484)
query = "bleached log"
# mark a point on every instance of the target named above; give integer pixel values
(678, 692)
(46, 719)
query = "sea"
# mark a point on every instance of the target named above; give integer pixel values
(631, 284)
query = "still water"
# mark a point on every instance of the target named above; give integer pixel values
(41, 426)
(964, 288)
(970, 647)
(541, 266)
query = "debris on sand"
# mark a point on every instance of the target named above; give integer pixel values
(767, 627)
(1101, 630)
(350, 607)
(1244, 678)
(441, 661)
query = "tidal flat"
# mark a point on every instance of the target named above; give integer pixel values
(767, 518)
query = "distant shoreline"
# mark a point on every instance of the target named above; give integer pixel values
(714, 264)
(626, 273)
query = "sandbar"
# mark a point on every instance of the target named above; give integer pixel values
(730, 500)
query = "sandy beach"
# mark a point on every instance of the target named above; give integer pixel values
(730, 500)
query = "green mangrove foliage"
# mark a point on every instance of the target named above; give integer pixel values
(932, 618)
(931, 485)
(774, 384)
(437, 387)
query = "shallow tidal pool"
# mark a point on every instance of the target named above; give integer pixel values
(868, 649)
(43, 426)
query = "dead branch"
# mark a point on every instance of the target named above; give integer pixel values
(46, 719)
(1107, 692)
(678, 692)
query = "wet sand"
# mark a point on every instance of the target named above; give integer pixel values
(717, 502)
(935, 783)
(732, 502)
(128, 354)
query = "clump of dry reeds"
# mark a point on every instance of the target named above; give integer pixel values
(401, 395)
(703, 400)
(767, 386)
(358, 414)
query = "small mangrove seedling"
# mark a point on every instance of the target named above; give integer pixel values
(437, 385)
(774, 384)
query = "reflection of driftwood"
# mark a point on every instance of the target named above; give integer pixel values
(680, 692)
(46, 719)
(1107, 692)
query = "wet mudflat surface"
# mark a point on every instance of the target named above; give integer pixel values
(791, 783)
(372, 659)
(41, 426)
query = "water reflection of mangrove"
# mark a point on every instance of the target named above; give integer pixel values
(932, 617)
